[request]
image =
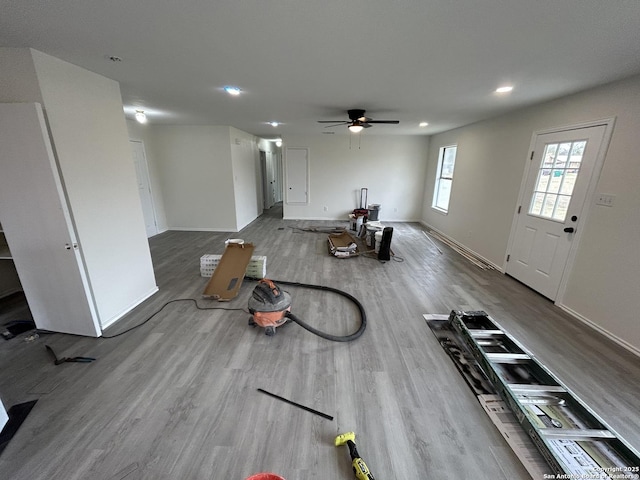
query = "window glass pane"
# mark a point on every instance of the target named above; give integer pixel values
(548, 205)
(444, 192)
(561, 208)
(555, 181)
(536, 204)
(448, 162)
(569, 182)
(543, 180)
(549, 155)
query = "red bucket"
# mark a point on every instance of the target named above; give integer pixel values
(265, 476)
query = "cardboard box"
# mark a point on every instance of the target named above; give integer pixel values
(257, 267)
(511, 430)
(228, 275)
(343, 245)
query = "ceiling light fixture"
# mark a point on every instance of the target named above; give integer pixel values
(423, 124)
(235, 91)
(274, 124)
(279, 142)
(140, 116)
(505, 89)
(355, 128)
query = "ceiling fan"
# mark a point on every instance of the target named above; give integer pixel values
(357, 121)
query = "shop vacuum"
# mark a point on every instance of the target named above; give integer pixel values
(270, 307)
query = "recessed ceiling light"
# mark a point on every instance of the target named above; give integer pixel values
(274, 124)
(505, 89)
(423, 124)
(235, 91)
(141, 116)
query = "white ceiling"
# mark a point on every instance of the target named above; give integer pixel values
(299, 61)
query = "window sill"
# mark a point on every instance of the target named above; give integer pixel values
(440, 211)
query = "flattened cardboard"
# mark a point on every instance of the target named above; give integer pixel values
(342, 245)
(228, 275)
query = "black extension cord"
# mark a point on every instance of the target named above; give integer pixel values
(290, 316)
(327, 336)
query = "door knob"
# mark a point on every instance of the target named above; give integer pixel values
(569, 230)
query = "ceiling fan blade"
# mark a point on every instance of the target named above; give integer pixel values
(365, 124)
(391, 122)
(337, 124)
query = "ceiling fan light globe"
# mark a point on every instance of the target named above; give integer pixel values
(355, 128)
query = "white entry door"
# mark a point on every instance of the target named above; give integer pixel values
(144, 187)
(297, 175)
(555, 189)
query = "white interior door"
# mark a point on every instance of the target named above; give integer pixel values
(38, 227)
(144, 187)
(555, 189)
(297, 175)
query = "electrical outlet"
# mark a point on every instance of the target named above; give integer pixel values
(605, 199)
(326, 209)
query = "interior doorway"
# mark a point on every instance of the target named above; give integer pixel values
(144, 187)
(271, 169)
(563, 170)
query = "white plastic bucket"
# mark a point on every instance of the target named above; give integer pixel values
(378, 237)
(372, 229)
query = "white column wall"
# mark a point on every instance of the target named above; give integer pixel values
(87, 125)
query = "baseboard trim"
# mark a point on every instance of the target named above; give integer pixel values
(581, 318)
(197, 229)
(117, 317)
(462, 245)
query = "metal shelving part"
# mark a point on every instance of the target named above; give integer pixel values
(571, 437)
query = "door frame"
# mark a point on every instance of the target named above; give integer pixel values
(287, 177)
(608, 123)
(145, 172)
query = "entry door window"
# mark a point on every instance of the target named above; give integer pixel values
(557, 176)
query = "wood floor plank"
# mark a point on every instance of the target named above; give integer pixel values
(177, 397)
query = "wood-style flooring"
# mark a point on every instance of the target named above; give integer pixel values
(177, 397)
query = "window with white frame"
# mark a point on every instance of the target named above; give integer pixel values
(444, 178)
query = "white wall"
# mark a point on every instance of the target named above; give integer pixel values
(86, 121)
(138, 131)
(247, 177)
(18, 81)
(392, 167)
(194, 165)
(604, 283)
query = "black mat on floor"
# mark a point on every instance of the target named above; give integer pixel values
(17, 414)
(454, 346)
